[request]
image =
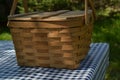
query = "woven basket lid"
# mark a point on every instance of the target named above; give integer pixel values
(60, 15)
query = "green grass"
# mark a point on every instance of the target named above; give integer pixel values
(107, 29)
(5, 36)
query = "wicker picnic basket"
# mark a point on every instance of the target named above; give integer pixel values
(58, 39)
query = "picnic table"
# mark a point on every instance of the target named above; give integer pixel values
(93, 67)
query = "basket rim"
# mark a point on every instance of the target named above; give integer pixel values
(52, 17)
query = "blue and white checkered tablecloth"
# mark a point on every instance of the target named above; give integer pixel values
(93, 67)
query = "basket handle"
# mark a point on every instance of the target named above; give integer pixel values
(14, 5)
(90, 2)
(26, 8)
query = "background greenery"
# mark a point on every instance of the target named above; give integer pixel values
(106, 27)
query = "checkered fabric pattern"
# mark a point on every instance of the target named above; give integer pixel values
(93, 67)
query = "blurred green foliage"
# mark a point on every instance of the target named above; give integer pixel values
(52, 5)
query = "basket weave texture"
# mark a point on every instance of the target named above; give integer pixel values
(50, 42)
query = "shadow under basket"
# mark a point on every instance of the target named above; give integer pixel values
(58, 39)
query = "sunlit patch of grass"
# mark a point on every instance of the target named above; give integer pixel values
(5, 36)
